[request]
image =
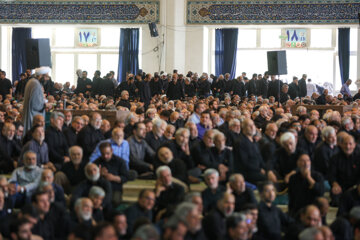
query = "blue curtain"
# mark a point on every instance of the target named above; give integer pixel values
(19, 37)
(128, 52)
(344, 53)
(225, 51)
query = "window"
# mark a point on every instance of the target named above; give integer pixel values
(64, 37)
(251, 61)
(64, 68)
(42, 32)
(247, 38)
(110, 37)
(88, 62)
(270, 38)
(109, 62)
(321, 38)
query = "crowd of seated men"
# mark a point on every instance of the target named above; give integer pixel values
(64, 180)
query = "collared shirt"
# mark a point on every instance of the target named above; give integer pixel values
(345, 90)
(138, 150)
(194, 118)
(122, 151)
(201, 130)
(42, 152)
(28, 179)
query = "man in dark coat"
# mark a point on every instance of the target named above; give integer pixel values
(90, 135)
(294, 89)
(302, 86)
(175, 90)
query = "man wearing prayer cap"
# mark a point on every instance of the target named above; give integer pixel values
(34, 102)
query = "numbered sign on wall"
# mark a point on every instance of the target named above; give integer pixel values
(296, 38)
(87, 37)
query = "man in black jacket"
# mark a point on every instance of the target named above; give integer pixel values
(56, 141)
(294, 89)
(113, 169)
(127, 85)
(251, 86)
(167, 192)
(9, 148)
(143, 208)
(302, 86)
(249, 161)
(238, 87)
(71, 132)
(272, 221)
(274, 87)
(83, 84)
(90, 135)
(344, 168)
(214, 222)
(175, 89)
(243, 195)
(304, 186)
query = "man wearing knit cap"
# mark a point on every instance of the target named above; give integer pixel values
(34, 102)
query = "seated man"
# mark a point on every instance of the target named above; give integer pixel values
(249, 161)
(180, 147)
(167, 192)
(308, 142)
(205, 123)
(143, 208)
(267, 143)
(193, 133)
(113, 169)
(56, 141)
(309, 217)
(304, 186)
(223, 156)
(48, 176)
(213, 191)
(325, 151)
(90, 135)
(214, 222)
(201, 152)
(124, 101)
(155, 138)
(120, 224)
(272, 221)
(82, 216)
(243, 194)
(45, 225)
(190, 214)
(9, 148)
(92, 173)
(40, 147)
(284, 162)
(350, 199)
(119, 146)
(237, 227)
(37, 120)
(72, 131)
(73, 172)
(165, 157)
(97, 195)
(139, 149)
(24, 180)
(234, 132)
(344, 168)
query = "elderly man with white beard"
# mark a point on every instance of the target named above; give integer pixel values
(190, 214)
(82, 214)
(92, 173)
(24, 180)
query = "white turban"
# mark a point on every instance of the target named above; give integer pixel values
(42, 70)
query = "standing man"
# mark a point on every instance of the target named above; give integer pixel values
(34, 102)
(302, 86)
(5, 85)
